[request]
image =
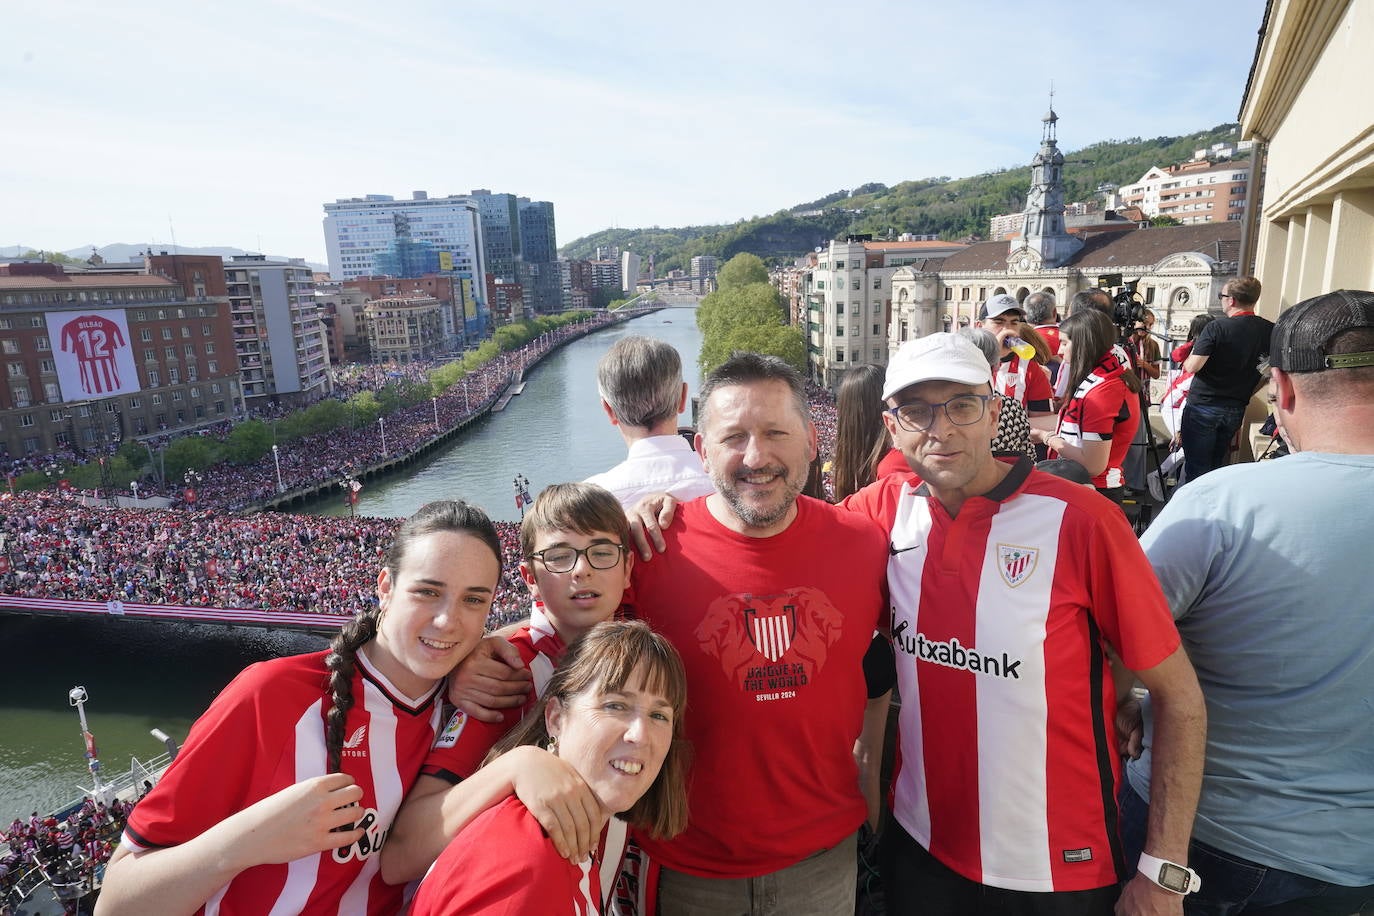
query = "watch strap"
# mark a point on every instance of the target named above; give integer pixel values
(1152, 867)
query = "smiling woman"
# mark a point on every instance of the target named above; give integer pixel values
(613, 710)
(284, 793)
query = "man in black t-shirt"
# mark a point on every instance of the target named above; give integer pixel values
(1226, 359)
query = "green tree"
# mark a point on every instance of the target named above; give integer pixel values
(786, 343)
(742, 270)
(248, 442)
(732, 306)
(188, 453)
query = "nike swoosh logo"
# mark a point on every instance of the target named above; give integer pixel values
(893, 550)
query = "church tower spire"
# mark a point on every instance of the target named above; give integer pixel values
(1044, 242)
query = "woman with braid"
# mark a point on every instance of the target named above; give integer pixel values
(287, 786)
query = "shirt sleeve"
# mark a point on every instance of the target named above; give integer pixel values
(463, 745)
(1206, 340)
(1183, 546)
(1038, 387)
(1101, 410)
(1125, 599)
(213, 775)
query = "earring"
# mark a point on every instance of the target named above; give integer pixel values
(552, 746)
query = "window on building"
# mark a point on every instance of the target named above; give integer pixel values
(25, 419)
(855, 265)
(51, 392)
(169, 352)
(57, 416)
(20, 393)
(219, 407)
(154, 377)
(135, 403)
(877, 329)
(209, 347)
(876, 354)
(166, 333)
(877, 282)
(215, 388)
(839, 308)
(145, 335)
(206, 330)
(5, 323)
(176, 394)
(47, 365)
(839, 356)
(949, 293)
(9, 345)
(157, 399)
(185, 331)
(173, 375)
(36, 321)
(190, 350)
(839, 330)
(855, 283)
(963, 294)
(16, 370)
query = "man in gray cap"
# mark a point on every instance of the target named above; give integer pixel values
(1265, 569)
(1014, 595)
(1019, 378)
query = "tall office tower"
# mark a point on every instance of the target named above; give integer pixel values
(500, 216)
(539, 252)
(365, 235)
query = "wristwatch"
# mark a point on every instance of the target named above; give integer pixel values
(1177, 878)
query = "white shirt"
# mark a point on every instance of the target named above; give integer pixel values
(656, 464)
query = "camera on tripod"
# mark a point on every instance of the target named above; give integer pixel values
(1127, 306)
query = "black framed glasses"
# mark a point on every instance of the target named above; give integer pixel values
(563, 559)
(960, 410)
(1225, 296)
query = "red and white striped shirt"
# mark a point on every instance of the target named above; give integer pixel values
(265, 732)
(1007, 768)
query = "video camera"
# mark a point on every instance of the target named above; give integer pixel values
(1127, 306)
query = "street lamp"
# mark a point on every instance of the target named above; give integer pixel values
(435, 402)
(276, 461)
(467, 409)
(381, 421)
(77, 697)
(193, 479)
(350, 487)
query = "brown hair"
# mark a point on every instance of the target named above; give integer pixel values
(861, 439)
(580, 507)
(443, 515)
(1093, 335)
(604, 660)
(1245, 290)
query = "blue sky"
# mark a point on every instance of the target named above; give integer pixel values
(230, 124)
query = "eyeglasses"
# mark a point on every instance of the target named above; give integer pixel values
(962, 410)
(563, 559)
(1140, 330)
(1225, 296)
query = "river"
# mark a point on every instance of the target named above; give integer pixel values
(153, 675)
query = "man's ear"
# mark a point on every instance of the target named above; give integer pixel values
(682, 401)
(610, 413)
(1285, 394)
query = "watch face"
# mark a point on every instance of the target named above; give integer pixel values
(1174, 878)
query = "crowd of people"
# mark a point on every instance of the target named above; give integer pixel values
(67, 849)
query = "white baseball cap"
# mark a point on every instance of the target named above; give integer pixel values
(1000, 305)
(936, 357)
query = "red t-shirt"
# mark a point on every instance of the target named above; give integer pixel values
(464, 742)
(1024, 380)
(894, 462)
(1007, 765)
(264, 732)
(502, 864)
(1103, 409)
(772, 632)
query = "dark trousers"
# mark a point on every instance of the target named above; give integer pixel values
(915, 883)
(1232, 885)
(1207, 431)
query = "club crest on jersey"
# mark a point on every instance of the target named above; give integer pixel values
(449, 736)
(771, 632)
(1016, 563)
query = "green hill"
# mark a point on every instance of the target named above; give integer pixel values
(952, 208)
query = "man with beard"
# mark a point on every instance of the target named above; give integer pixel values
(772, 599)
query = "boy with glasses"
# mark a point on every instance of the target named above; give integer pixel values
(577, 567)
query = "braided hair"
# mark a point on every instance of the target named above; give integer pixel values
(442, 515)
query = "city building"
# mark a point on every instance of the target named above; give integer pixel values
(464, 314)
(500, 218)
(849, 299)
(1304, 106)
(507, 302)
(404, 329)
(629, 273)
(377, 235)
(1199, 191)
(95, 358)
(702, 269)
(538, 265)
(347, 334)
(279, 340)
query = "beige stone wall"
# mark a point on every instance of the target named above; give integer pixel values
(1309, 101)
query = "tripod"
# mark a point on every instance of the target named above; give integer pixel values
(1138, 504)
